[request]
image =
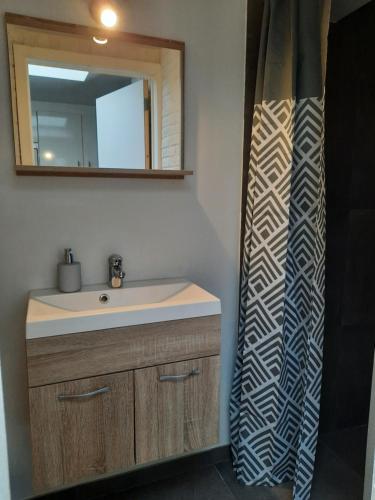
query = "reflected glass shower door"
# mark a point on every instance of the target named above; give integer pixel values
(59, 138)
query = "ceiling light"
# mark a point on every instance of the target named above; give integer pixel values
(100, 41)
(61, 73)
(104, 12)
(108, 17)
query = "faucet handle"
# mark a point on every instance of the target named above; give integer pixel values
(115, 260)
(115, 271)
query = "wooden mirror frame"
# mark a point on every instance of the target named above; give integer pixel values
(89, 32)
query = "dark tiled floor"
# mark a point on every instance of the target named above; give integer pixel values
(338, 476)
(203, 485)
(251, 492)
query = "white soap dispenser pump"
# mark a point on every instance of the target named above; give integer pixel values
(69, 273)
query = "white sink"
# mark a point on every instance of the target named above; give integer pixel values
(52, 313)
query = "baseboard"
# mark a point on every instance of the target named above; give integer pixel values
(141, 476)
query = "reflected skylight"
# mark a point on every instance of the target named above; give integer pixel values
(61, 73)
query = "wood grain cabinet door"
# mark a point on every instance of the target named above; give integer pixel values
(81, 429)
(176, 408)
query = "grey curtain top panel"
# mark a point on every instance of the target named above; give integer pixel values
(294, 32)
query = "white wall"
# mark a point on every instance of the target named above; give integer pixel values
(171, 114)
(162, 228)
(4, 469)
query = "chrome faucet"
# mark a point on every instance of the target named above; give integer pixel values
(115, 273)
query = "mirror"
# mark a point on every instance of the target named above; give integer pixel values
(83, 108)
(79, 118)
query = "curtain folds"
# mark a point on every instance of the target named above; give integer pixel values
(276, 390)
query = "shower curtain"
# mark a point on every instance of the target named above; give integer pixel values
(274, 406)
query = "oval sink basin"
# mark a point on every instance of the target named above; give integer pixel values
(99, 307)
(133, 294)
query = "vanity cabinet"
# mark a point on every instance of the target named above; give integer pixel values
(176, 408)
(81, 428)
(104, 401)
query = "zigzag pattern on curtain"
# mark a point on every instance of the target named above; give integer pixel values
(276, 389)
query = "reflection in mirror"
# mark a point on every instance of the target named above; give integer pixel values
(92, 109)
(88, 119)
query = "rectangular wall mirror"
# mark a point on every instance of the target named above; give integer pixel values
(95, 109)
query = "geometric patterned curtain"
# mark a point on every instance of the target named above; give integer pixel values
(274, 406)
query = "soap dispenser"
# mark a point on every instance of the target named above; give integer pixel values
(69, 273)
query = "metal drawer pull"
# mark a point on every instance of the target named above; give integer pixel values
(176, 378)
(102, 390)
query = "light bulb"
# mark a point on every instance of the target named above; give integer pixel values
(108, 17)
(48, 155)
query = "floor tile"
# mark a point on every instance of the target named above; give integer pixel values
(338, 476)
(149, 474)
(333, 479)
(283, 492)
(204, 485)
(349, 445)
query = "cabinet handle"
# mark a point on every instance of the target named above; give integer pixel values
(176, 378)
(102, 390)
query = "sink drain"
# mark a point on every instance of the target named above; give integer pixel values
(104, 298)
